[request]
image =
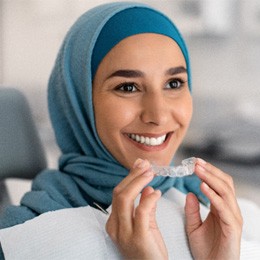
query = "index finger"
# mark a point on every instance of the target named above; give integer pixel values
(140, 166)
(217, 173)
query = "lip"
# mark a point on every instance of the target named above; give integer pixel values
(151, 148)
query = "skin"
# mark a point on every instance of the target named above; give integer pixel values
(148, 99)
(152, 108)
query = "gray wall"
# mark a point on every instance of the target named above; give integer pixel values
(1, 40)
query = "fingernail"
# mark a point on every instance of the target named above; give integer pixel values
(202, 161)
(137, 162)
(200, 168)
(205, 185)
(140, 163)
(158, 192)
(148, 173)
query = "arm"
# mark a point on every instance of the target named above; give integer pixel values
(219, 236)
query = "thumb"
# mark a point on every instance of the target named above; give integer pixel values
(192, 213)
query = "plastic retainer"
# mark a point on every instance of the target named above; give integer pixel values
(187, 168)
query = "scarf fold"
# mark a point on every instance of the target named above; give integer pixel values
(83, 180)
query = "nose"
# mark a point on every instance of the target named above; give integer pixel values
(155, 109)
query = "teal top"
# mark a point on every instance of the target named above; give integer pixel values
(87, 172)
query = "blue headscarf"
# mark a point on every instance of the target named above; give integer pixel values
(87, 171)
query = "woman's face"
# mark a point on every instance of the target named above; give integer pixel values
(142, 102)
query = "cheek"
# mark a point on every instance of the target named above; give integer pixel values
(189, 111)
(112, 117)
(185, 110)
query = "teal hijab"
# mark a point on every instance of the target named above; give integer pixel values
(87, 172)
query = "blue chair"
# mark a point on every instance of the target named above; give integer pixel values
(21, 151)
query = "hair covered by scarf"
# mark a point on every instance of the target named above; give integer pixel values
(87, 171)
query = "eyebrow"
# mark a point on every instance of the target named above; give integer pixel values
(138, 73)
(176, 70)
(127, 74)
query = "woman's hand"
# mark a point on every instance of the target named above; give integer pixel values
(219, 236)
(133, 228)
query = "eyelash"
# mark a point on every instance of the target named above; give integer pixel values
(179, 81)
(120, 87)
(125, 84)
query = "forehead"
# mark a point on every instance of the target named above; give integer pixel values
(150, 47)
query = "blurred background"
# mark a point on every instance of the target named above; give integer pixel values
(223, 38)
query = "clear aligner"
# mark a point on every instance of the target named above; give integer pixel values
(187, 168)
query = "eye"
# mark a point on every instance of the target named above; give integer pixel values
(175, 84)
(127, 87)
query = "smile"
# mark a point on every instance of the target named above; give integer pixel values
(149, 141)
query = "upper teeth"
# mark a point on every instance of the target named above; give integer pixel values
(147, 140)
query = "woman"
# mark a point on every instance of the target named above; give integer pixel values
(120, 98)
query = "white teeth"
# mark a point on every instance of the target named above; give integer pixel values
(153, 141)
(147, 140)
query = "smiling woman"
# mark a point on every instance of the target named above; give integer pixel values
(120, 98)
(152, 99)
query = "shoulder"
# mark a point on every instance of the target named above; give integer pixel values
(14, 215)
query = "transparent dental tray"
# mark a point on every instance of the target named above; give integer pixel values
(187, 168)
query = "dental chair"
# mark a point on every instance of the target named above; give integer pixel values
(21, 152)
